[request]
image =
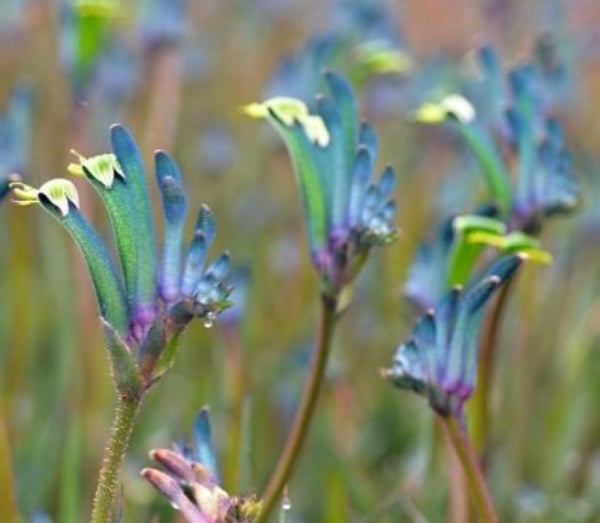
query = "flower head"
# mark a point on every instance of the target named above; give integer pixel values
(439, 361)
(148, 302)
(346, 211)
(190, 482)
(513, 119)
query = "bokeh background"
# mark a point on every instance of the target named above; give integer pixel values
(177, 73)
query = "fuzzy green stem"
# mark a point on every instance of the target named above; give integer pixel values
(480, 495)
(305, 412)
(108, 480)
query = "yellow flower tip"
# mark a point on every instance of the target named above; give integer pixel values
(59, 192)
(315, 129)
(80, 158)
(453, 105)
(289, 111)
(102, 168)
(537, 256)
(380, 58)
(429, 114)
(491, 239)
(97, 8)
(255, 110)
(459, 107)
(75, 169)
(25, 194)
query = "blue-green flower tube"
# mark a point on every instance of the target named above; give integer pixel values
(205, 452)
(461, 371)
(59, 197)
(204, 234)
(168, 178)
(314, 190)
(308, 143)
(130, 160)
(105, 174)
(343, 144)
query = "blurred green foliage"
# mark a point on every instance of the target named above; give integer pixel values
(373, 455)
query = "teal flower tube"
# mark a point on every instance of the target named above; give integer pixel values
(59, 198)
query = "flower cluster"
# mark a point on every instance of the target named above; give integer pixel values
(347, 212)
(190, 482)
(513, 127)
(439, 361)
(145, 303)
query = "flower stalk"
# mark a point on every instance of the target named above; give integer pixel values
(479, 409)
(480, 495)
(143, 313)
(304, 414)
(108, 479)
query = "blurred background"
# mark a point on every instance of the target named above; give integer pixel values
(177, 72)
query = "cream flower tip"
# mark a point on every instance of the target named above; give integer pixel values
(59, 192)
(288, 111)
(429, 113)
(459, 107)
(102, 167)
(452, 105)
(255, 110)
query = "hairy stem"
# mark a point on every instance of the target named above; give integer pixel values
(480, 495)
(108, 480)
(304, 414)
